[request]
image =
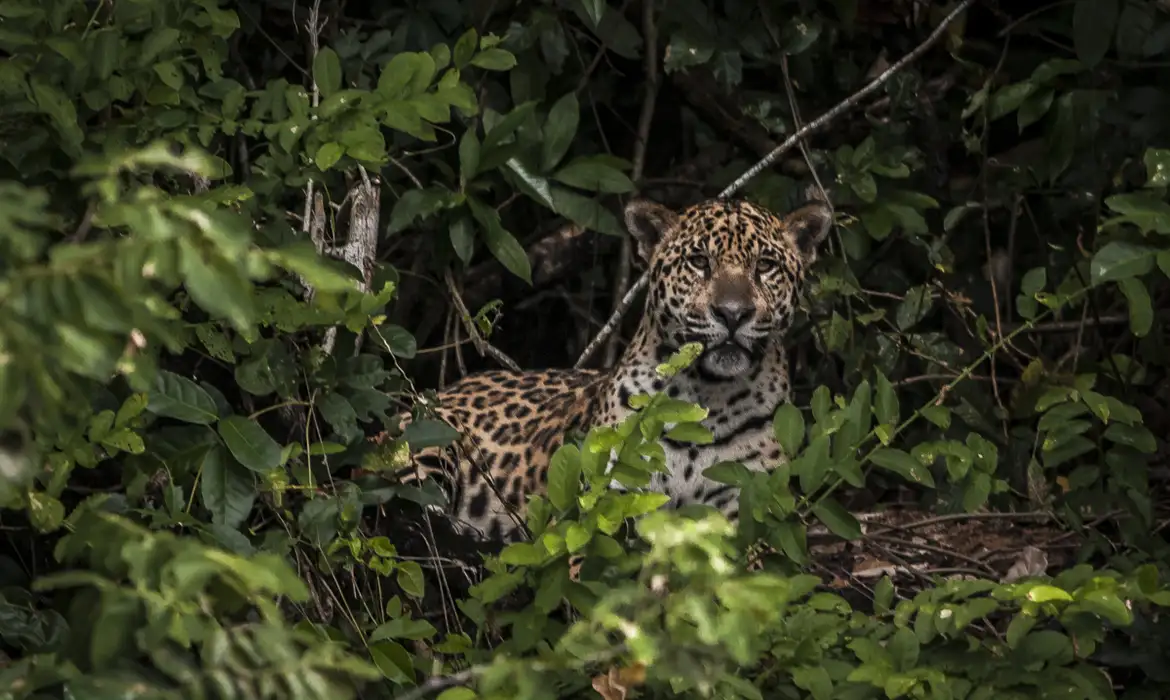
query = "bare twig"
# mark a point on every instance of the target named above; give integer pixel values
(645, 117)
(797, 137)
(481, 345)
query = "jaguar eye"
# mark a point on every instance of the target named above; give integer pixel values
(766, 265)
(699, 260)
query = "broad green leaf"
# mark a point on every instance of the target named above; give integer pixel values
(226, 491)
(594, 10)
(416, 204)
(457, 694)
(814, 679)
(902, 464)
(465, 47)
(523, 554)
(1136, 436)
(693, 433)
(502, 244)
(182, 399)
(586, 212)
(1094, 22)
(215, 286)
(788, 428)
(462, 235)
(428, 432)
(393, 660)
(469, 155)
(1157, 162)
(1141, 308)
(155, 43)
(559, 130)
(402, 628)
(914, 307)
(1120, 260)
(45, 513)
(494, 59)
(328, 155)
(410, 578)
(595, 174)
(327, 71)
(885, 405)
(249, 443)
(564, 476)
(839, 521)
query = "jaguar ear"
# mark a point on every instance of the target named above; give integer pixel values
(808, 227)
(649, 223)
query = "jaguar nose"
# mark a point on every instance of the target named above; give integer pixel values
(732, 313)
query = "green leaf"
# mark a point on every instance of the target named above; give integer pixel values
(788, 428)
(428, 432)
(156, 43)
(328, 155)
(250, 443)
(1141, 308)
(227, 493)
(415, 204)
(462, 234)
(220, 290)
(902, 464)
(393, 660)
(169, 74)
(814, 679)
(885, 406)
(839, 521)
(914, 307)
(1094, 22)
(182, 399)
(523, 554)
(693, 433)
(46, 513)
(1164, 262)
(564, 476)
(593, 173)
(594, 10)
(1120, 260)
(457, 694)
(559, 130)
(503, 245)
(883, 595)
(468, 155)
(327, 71)
(402, 628)
(494, 59)
(1157, 162)
(398, 341)
(465, 47)
(1136, 436)
(410, 578)
(586, 212)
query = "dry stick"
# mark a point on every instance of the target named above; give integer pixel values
(481, 345)
(816, 124)
(649, 100)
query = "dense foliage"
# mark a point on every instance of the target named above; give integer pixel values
(238, 239)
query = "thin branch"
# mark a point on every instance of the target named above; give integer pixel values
(818, 123)
(481, 345)
(614, 319)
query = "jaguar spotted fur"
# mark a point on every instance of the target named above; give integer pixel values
(724, 273)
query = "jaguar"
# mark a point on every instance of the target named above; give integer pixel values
(724, 273)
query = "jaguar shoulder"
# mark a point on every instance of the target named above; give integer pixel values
(723, 273)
